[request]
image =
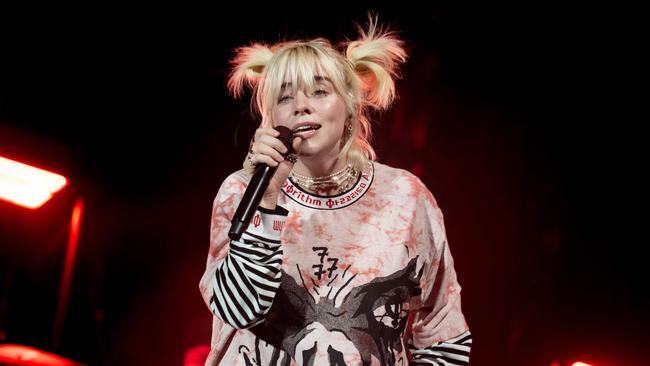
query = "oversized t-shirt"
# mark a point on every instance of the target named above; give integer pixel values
(365, 277)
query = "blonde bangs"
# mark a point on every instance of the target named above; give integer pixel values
(300, 65)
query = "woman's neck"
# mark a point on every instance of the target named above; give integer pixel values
(314, 167)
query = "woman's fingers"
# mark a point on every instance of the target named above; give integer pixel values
(263, 131)
(273, 142)
(259, 158)
(268, 149)
(269, 145)
(267, 131)
(297, 141)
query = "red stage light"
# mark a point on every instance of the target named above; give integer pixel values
(196, 355)
(26, 185)
(13, 354)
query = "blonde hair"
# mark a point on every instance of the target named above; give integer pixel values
(363, 76)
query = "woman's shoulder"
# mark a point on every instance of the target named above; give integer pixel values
(392, 176)
(383, 168)
(235, 183)
(404, 185)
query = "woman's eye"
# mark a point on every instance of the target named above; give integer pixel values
(284, 98)
(320, 92)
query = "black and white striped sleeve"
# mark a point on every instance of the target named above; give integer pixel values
(246, 281)
(454, 351)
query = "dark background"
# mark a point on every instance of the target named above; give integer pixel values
(519, 118)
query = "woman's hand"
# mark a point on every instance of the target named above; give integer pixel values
(269, 150)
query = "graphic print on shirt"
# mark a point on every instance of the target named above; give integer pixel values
(369, 322)
(326, 265)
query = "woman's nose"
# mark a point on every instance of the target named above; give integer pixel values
(301, 105)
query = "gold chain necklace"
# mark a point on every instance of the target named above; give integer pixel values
(340, 180)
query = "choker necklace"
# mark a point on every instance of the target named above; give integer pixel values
(340, 180)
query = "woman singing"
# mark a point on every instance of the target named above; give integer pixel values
(346, 260)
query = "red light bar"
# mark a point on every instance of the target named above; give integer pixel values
(26, 185)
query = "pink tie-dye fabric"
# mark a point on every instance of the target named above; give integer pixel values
(363, 273)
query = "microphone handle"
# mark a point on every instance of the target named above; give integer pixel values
(256, 188)
(251, 200)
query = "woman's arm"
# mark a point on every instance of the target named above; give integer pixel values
(242, 276)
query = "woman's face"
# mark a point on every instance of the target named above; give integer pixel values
(317, 115)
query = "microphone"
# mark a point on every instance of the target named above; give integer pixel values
(256, 188)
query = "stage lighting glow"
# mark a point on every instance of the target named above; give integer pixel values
(26, 185)
(15, 354)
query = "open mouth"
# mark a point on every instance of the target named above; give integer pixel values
(305, 129)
